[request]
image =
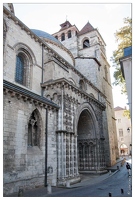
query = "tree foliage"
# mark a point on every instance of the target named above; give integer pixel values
(124, 39)
(126, 114)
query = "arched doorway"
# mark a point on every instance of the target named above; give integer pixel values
(123, 149)
(87, 159)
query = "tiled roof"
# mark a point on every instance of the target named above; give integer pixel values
(87, 28)
(118, 108)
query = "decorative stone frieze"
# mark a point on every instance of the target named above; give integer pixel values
(67, 85)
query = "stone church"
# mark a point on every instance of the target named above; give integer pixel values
(58, 117)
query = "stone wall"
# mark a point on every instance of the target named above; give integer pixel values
(22, 164)
(16, 39)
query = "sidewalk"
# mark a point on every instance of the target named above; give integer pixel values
(85, 180)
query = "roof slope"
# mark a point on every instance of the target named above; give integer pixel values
(43, 34)
(65, 25)
(118, 108)
(87, 28)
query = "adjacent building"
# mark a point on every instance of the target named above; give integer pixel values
(124, 132)
(126, 68)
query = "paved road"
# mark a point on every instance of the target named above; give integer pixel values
(112, 185)
(91, 186)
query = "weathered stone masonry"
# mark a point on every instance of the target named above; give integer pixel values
(63, 95)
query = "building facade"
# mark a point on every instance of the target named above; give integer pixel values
(126, 68)
(124, 132)
(58, 108)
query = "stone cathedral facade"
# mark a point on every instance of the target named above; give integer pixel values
(58, 117)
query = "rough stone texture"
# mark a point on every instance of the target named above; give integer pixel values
(81, 89)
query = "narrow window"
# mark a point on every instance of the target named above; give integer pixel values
(82, 85)
(119, 120)
(19, 78)
(120, 132)
(56, 37)
(62, 37)
(69, 34)
(86, 44)
(24, 62)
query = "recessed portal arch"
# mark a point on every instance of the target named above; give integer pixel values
(85, 127)
(86, 142)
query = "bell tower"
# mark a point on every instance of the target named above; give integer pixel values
(67, 35)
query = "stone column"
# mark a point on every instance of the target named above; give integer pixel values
(69, 155)
(72, 153)
(76, 157)
(59, 155)
(83, 146)
(89, 157)
(98, 158)
(62, 155)
(95, 157)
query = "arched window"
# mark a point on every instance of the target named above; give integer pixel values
(56, 37)
(19, 77)
(69, 34)
(86, 43)
(82, 85)
(34, 129)
(62, 37)
(24, 63)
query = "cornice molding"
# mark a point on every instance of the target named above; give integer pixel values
(26, 95)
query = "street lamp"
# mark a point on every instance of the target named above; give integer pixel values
(130, 149)
(128, 129)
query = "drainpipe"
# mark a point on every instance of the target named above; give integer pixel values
(46, 121)
(42, 68)
(46, 144)
(62, 154)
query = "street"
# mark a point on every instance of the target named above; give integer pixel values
(118, 185)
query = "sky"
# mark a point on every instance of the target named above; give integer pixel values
(106, 17)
